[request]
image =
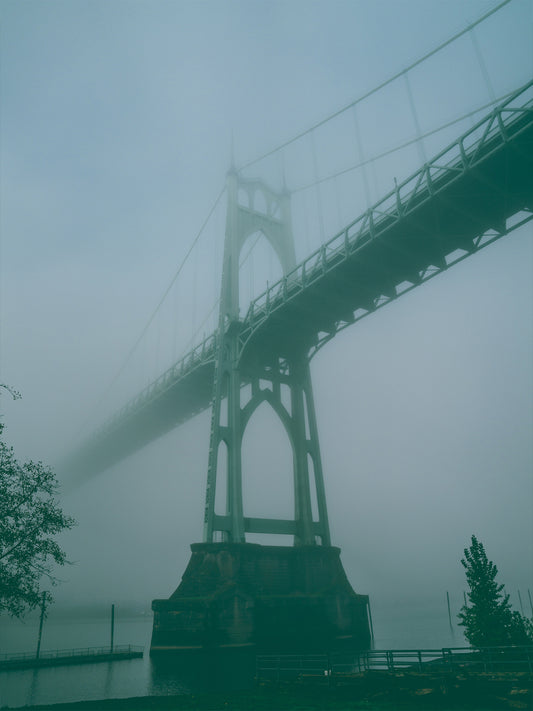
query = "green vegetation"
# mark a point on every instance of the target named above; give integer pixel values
(30, 518)
(488, 618)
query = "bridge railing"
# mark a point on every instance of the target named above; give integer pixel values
(202, 353)
(451, 162)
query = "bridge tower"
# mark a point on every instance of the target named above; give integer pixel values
(252, 207)
(240, 595)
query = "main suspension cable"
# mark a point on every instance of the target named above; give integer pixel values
(410, 142)
(159, 303)
(192, 340)
(377, 88)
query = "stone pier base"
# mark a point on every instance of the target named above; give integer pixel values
(270, 598)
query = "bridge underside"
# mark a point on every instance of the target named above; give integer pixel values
(451, 219)
(183, 396)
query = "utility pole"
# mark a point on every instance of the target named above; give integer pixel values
(449, 613)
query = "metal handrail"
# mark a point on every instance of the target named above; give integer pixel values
(446, 658)
(76, 652)
(387, 207)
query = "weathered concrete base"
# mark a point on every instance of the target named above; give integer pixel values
(270, 598)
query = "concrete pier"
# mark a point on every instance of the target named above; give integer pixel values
(269, 598)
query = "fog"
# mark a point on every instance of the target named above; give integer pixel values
(119, 122)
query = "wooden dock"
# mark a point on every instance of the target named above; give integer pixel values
(61, 657)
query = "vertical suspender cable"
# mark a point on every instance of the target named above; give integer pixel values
(361, 156)
(318, 195)
(194, 286)
(379, 86)
(338, 202)
(282, 168)
(158, 306)
(175, 305)
(306, 223)
(482, 66)
(420, 142)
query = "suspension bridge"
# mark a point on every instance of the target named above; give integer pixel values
(473, 190)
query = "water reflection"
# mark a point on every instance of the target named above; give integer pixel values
(202, 671)
(163, 676)
(108, 685)
(414, 626)
(33, 690)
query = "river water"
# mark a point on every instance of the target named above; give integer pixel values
(407, 626)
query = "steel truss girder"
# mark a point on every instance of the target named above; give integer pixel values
(423, 276)
(402, 219)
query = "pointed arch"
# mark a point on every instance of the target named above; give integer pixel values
(243, 198)
(260, 202)
(275, 234)
(267, 396)
(222, 478)
(267, 464)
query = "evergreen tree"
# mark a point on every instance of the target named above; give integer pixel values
(488, 619)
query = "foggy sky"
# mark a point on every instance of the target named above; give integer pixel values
(116, 129)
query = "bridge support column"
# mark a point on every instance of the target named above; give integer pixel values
(238, 594)
(290, 370)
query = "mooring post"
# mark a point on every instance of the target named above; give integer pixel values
(43, 605)
(449, 613)
(520, 601)
(112, 626)
(370, 621)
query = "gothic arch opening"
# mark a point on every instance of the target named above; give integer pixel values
(243, 198)
(259, 266)
(260, 203)
(312, 486)
(267, 471)
(222, 479)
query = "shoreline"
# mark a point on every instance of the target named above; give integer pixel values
(371, 690)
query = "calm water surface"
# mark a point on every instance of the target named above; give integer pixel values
(395, 627)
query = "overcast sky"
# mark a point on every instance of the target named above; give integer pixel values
(116, 133)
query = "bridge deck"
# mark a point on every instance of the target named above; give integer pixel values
(459, 202)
